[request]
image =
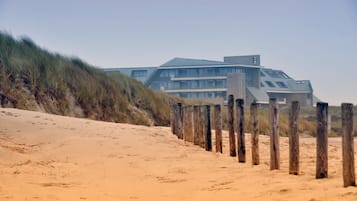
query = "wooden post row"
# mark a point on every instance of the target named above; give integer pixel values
(188, 123)
(348, 145)
(232, 143)
(255, 133)
(207, 127)
(321, 141)
(274, 136)
(240, 130)
(294, 138)
(218, 127)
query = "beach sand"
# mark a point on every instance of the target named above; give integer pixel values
(48, 157)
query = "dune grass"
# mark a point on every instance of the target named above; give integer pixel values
(35, 79)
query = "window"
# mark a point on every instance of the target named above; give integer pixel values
(300, 81)
(262, 74)
(276, 74)
(139, 73)
(164, 73)
(270, 84)
(219, 83)
(281, 84)
(210, 83)
(182, 72)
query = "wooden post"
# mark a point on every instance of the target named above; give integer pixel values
(240, 130)
(294, 138)
(188, 124)
(232, 142)
(274, 136)
(207, 125)
(172, 117)
(255, 133)
(179, 117)
(218, 127)
(196, 114)
(347, 145)
(321, 141)
(202, 128)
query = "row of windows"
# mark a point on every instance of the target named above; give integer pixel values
(200, 72)
(271, 85)
(190, 84)
(275, 74)
(139, 73)
(201, 95)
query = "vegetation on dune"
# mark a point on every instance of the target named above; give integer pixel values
(34, 79)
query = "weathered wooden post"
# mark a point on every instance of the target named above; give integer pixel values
(255, 133)
(294, 138)
(240, 130)
(196, 114)
(179, 117)
(172, 124)
(207, 125)
(202, 128)
(218, 127)
(349, 178)
(188, 124)
(274, 136)
(232, 142)
(174, 118)
(321, 141)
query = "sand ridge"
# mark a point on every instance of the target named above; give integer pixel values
(49, 157)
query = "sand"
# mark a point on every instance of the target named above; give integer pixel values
(49, 157)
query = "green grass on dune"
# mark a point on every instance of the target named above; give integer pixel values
(34, 79)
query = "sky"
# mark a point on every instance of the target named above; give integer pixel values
(308, 39)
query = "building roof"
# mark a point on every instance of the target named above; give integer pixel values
(260, 96)
(190, 62)
(276, 81)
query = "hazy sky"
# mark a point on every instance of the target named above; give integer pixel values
(308, 39)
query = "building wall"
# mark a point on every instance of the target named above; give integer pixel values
(289, 97)
(236, 85)
(247, 60)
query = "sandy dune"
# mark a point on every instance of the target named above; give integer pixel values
(48, 157)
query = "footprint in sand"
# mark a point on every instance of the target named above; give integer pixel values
(349, 194)
(21, 164)
(284, 190)
(219, 186)
(58, 184)
(169, 180)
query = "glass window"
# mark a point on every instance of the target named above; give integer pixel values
(164, 73)
(210, 83)
(281, 84)
(276, 74)
(219, 83)
(139, 73)
(270, 84)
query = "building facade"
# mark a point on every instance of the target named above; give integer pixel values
(242, 76)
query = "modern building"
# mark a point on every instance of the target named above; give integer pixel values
(242, 76)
